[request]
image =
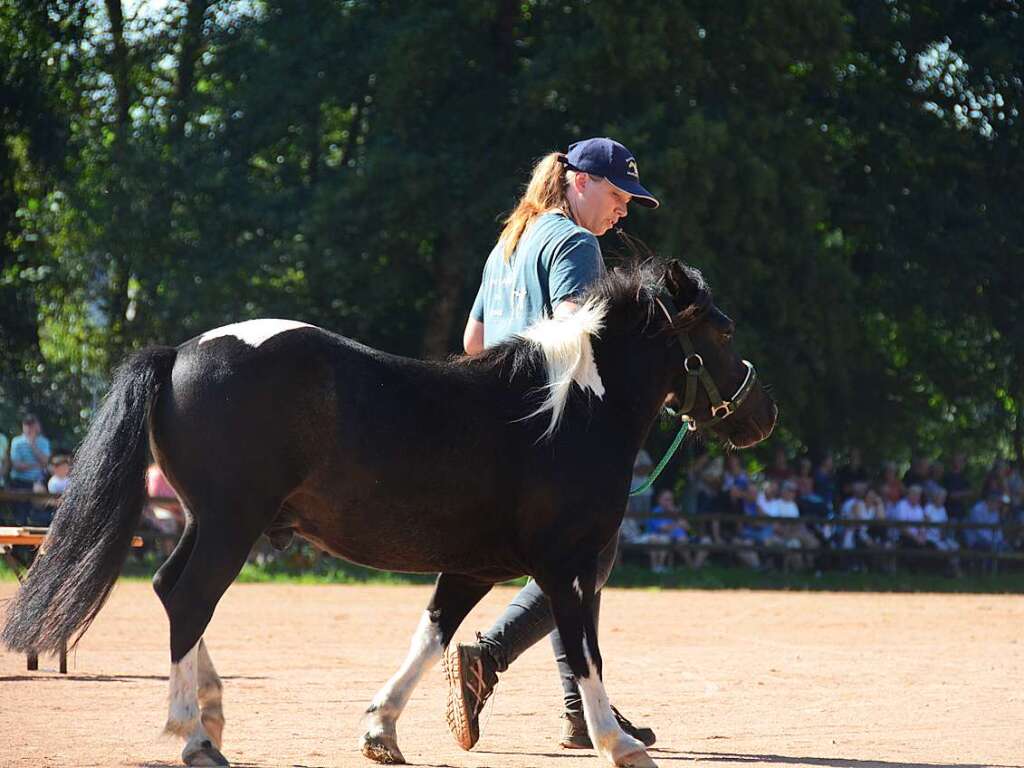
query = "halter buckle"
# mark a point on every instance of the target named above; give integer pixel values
(697, 367)
(725, 408)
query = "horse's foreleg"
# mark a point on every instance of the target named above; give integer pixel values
(454, 597)
(572, 603)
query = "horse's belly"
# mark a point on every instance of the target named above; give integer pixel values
(404, 539)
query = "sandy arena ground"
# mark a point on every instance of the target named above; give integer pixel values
(725, 678)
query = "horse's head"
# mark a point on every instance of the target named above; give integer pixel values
(713, 387)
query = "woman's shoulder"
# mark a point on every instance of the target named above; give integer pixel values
(556, 226)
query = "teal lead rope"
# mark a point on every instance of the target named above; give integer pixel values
(687, 426)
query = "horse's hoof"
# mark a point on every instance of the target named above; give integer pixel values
(381, 751)
(205, 755)
(639, 759)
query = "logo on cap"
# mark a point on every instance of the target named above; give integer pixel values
(631, 169)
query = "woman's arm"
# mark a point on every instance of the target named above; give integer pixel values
(473, 337)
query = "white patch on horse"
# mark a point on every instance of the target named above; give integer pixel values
(568, 356)
(610, 740)
(253, 332)
(425, 650)
(210, 692)
(579, 593)
(183, 709)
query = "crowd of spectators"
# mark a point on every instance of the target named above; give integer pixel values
(820, 516)
(816, 515)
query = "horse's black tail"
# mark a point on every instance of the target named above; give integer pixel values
(92, 529)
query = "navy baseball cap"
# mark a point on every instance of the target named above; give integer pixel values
(606, 157)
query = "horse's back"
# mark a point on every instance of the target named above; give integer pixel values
(249, 399)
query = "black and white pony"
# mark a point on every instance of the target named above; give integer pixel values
(482, 469)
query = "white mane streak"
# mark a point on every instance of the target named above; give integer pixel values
(568, 356)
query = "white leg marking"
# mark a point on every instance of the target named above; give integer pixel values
(210, 696)
(253, 332)
(425, 650)
(184, 717)
(610, 741)
(183, 711)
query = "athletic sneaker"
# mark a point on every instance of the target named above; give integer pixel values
(469, 670)
(575, 736)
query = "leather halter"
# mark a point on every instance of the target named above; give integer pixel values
(693, 366)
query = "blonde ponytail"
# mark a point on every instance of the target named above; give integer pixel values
(545, 192)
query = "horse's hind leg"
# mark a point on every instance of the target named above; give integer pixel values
(454, 597)
(210, 695)
(217, 554)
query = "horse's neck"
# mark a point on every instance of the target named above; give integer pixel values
(635, 403)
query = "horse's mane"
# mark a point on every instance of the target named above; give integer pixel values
(561, 347)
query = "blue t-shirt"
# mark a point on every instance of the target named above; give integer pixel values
(554, 260)
(21, 451)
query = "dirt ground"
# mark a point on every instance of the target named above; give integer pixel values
(725, 678)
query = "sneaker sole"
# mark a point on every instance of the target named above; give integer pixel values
(576, 744)
(456, 712)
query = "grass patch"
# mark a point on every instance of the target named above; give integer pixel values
(328, 570)
(725, 577)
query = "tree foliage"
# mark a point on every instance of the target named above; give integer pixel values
(843, 172)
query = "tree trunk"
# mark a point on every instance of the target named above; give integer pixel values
(448, 276)
(191, 45)
(118, 269)
(1018, 424)
(120, 73)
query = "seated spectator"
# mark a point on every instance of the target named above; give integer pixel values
(989, 512)
(936, 471)
(958, 488)
(938, 538)
(810, 502)
(709, 495)
(855, 509)
(735, 483)
(163, 517)
(757, 532)
(935, 512)
(805, 478)
(30, 456)
(666, 521)
(5, 459)
(851, 472)
(910, 510)
(891, 488)
(789, 529)
(919, 470)
(874, 509)
(780, 470)
(60, 469)
(825, 482)
(995, 480)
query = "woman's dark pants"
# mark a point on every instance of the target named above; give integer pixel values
(528, 619)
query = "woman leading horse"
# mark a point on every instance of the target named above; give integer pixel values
(546, 256)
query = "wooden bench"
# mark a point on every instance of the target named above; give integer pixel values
(28, 536)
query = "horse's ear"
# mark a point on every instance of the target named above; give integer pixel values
(680, 284)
